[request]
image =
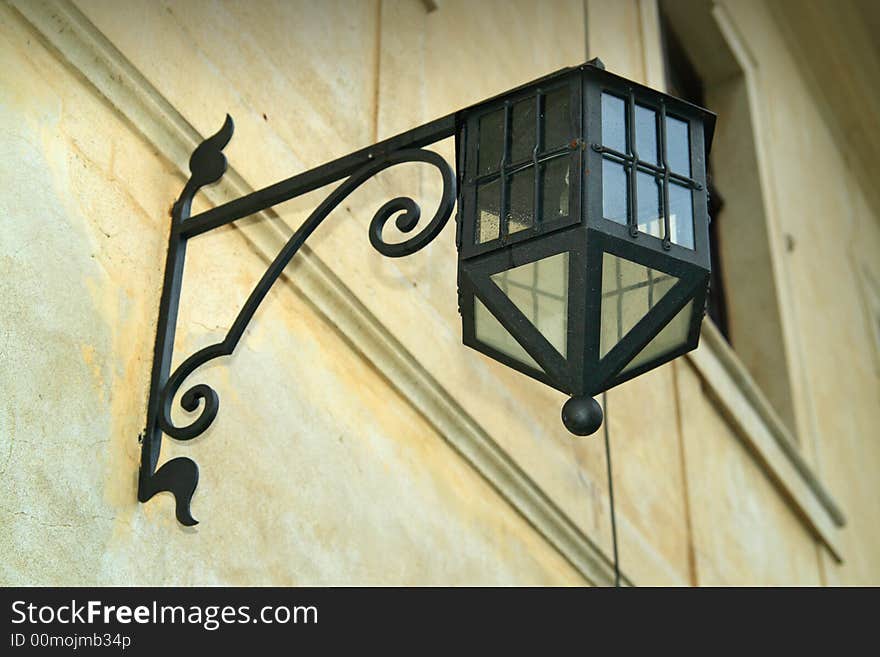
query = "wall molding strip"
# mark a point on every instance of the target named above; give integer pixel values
(756, 424)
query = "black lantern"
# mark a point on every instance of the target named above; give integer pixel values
(582, 240)
(583, 231)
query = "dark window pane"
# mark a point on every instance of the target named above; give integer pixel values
(650, 218)
(557, 119)
(521, 205)
(554, 186)
(684, 82)
(522, 138)
(646, 134)
(678, 146)
(613, 122)
(614, 192)
(488, 211)
(491, 141)
(681, 215)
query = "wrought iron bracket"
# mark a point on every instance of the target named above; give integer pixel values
(180, 475)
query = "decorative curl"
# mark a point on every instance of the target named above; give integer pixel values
(180, 477)
(200, 394)
(411, 213)
(208, 163)
(204, 396)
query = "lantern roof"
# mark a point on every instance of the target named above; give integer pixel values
(597, 68)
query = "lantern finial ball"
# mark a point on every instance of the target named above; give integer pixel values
(582, 415)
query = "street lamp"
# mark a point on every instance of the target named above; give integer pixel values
(583, 231)
(582, 235)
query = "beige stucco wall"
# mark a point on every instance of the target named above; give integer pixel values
(326, 464)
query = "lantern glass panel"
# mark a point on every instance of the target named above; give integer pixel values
(648, 195)
(629, 291)
(556, 126)
(491, 144)
(488, 211)
(521, 203)
(490, 332)
(540, 291)
(615, 191)
(522, 136)
(554, 186)
(614, 122)
(646, 134)
(681, 215)
(673, 336)
(678, 146)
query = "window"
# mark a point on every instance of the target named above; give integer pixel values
(646, 169)
(683, 82)
(524, 158)
(702, 67)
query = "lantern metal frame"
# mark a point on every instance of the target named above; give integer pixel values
(585, 235)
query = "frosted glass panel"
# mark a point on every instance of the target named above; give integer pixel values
(678, 146)
(629, 291)
(491, 146)
(490, 332)
(646, 134)
(614, 122)
(614, 191)
(488, 211)
(554, 183)
(540, 291)
(673, 336)
(521, 203)
(650, 218)
(681, 215)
